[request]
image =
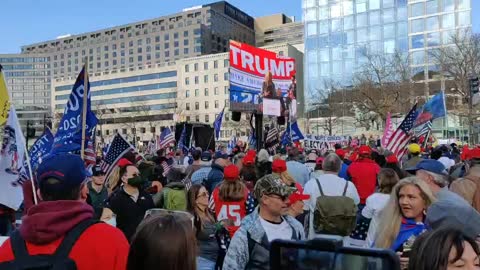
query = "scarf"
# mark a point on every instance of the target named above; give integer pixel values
(408, 229)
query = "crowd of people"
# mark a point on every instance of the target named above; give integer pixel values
(221, 210)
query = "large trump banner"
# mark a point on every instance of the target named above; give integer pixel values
(257, 75)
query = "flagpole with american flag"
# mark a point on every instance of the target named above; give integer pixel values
(401, 137)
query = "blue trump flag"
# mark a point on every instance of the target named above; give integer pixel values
(182, 142)
(433, 109)
(69, 133)
(292, 134)
(218, 124)
(40, 148)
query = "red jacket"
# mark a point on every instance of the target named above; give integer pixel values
(101, 246)
(363, 173)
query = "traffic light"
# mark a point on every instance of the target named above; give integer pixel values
(474, 85)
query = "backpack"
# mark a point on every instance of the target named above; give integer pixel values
(56, 261)
(176, 199)
(334, 214)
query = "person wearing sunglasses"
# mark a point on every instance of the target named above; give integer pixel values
(164, 240)
(249, 248)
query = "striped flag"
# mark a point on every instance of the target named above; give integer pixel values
(115, 152)
(425, 129)
(166, 138)
(272, 142)
(90, 156)
(166, 166)
(401, 137)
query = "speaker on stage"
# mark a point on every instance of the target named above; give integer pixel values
(236, 116)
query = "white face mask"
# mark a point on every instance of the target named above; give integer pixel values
(112, 221)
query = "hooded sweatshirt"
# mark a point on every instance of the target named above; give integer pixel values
(101, 246)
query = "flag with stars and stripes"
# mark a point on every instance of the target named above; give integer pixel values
(272, 142)
(115, 152)
(401, 137)
(166, 166)
(166, 138)
(231, 144)
(425, 129)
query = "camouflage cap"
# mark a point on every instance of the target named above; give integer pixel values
(271, 184)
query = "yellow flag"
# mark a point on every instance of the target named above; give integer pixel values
(4, 99)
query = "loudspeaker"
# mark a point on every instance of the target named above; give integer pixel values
(281, 120)
(203, 135)
(236, 116)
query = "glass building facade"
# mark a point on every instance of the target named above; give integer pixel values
(337, 33)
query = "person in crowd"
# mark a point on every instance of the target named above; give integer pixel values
(238, 160)
(445, 249)
(392, 163)
(379, 158)
(363, 140)
(363, 173)
(204, 223)
(97, 191)
(129, 202)
(414, 151)
(403, 218)
(64, 219)
(343, 171)
(318, 170)
(247, 172)
(469, 186)
(201, 175)
(7, 220)
(263, 165)
(231, 200)
(165, 241)
(215, 176)
(297, 170)
(179, 157)
(310, 163)
(436, 154)
(446, 159)
(387, 179)
(196, 165)
(279, 168)
(174, 195)
(331, 185)
(297, 203)
(249, 248)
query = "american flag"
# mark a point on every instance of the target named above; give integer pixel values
(272, 142)
(117, 149)
(166, 138)
(90, 157)
(166, 165)
(401, 137)
(425, 129)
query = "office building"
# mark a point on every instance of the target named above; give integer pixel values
(338, 33)
(277, 29)
(134, 102)
(29, 82)
(195, 31)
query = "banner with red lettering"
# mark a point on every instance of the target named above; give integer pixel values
(256, 74)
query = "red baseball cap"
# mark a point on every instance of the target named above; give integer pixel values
(248, 160)
(319, 160)
(340, 153)
(279, 166)
(298, 195)
(231, 173)
(364, 150)
(392, 159)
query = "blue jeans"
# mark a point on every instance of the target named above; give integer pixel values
(205, 264)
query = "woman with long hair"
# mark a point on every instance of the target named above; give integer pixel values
(231, 201)
(444, 249)
(205, 227)
(279, 168)
(403, 216)
(268, 87)
(165, 240)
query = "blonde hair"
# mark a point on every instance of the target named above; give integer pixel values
(286, 178)
(113, 180)
(391, 215)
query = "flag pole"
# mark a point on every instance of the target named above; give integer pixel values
(34, 191)
(84, 109)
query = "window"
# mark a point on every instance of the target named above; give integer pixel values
(185, 33)
(215, 64)
(205, 78)
(207, 118)
(195, 67)
(225, 63)
(167, 54)
(124, 131)
(157, 39)
(166, 37)
(139, 42)
(188, 118)
(167, 45)
(140, 58)
(197, 118)
(216, 104)
(417, 25)
(187, 106)
(206, 92)
(175, 44)
(175, 36)
(206, 104)
(225, 89)
(215, 77)
(185, 50)
(143, 130)
(139, 50)
(187, 81)
(225, 76)
(197, 106)
(187, 93)
(431, 23)
(215, 91)
(448, 20)
(205, 65)
(185, 42)
(176, 52)
(432, 7)
(196, 80)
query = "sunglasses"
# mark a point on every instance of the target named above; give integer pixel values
(203, 194)
(179, 216)
(283, 198)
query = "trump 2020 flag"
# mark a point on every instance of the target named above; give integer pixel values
(12, 157)
(182, 142)
(40, 149)
(217, 125)
(433, 109)
(292, 134)
(387, 133)
(69, 133)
